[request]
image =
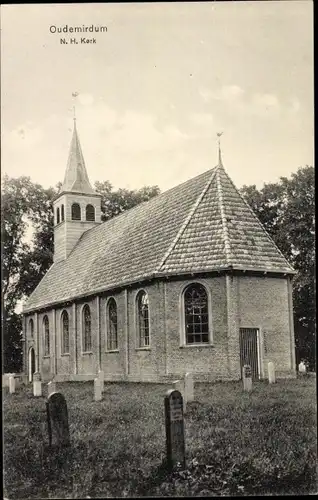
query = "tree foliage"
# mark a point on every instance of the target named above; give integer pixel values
(24, 205)
(27, 208)
(116, 202)
(287, 211)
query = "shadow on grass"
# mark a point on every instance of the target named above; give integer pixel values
(157, 476)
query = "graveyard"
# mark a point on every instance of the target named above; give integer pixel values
(237, 442)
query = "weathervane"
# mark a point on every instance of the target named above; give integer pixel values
(219, 146)
(74, 95)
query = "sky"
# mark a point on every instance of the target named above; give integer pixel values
(156, 88)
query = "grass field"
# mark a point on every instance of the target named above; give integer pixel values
(236, 443)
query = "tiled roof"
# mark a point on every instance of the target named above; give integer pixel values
(76, 178)
(199, 226)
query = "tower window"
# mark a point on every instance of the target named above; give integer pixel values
(57, 215)
(62, 212)
(90, 213)
(76, 211)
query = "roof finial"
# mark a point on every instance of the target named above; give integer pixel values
(74, 95)
(219, 147)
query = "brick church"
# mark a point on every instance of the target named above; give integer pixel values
(188, 281)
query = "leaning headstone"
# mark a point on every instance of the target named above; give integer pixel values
(37, 384)
(302, 369)
(97, 389)
(174, 429)
(247, 378)
(178, 385)
(11, 385)
(189, 387)
(51, 387)
(101, 378)
(57, 420)
(271, 373)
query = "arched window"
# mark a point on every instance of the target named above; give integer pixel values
(196, 314)
(112, 340)
(57, 215)
(90, 212)
(76, 211)
(31, 328)
(62, 213)
(65, 344)
(46, 329)
(87, 329)
(143, 319)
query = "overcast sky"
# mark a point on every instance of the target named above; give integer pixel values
(156, 88)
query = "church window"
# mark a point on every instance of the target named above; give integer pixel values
(196, 314)
(112, 339)
(65, 333)
(90, 213)
(143, 319)
(87, 329)
(62, 213)
(31, 328)
(57, 215)
(76, 211)
(46, 329)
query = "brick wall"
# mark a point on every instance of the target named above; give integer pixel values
(234, 302)
(263, 304)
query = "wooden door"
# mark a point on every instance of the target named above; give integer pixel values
(249, 350)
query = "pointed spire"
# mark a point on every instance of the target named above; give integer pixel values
(220, 164)
(76, 178)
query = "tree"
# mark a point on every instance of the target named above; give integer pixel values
(24, 205)
(28, 205)
(116, 202)
(287, 212)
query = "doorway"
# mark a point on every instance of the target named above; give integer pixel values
(249, 350)
(31, 364)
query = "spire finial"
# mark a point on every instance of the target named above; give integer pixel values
(74, 95)
(219, 147)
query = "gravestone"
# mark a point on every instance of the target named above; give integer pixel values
(101, 378)
(5, 379)
(37, 385)
(57, 421)
(51, 387)
(302, 369)
(179, 385)
(174, 429)
(247, 378)
(189, 387)
(271, 373)
(97, 389)
(11, 385)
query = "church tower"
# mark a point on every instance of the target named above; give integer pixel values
(77, 207)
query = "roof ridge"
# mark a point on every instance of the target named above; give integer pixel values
(257, 219)
(227, 246)
(187, 220)
(124, 212)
